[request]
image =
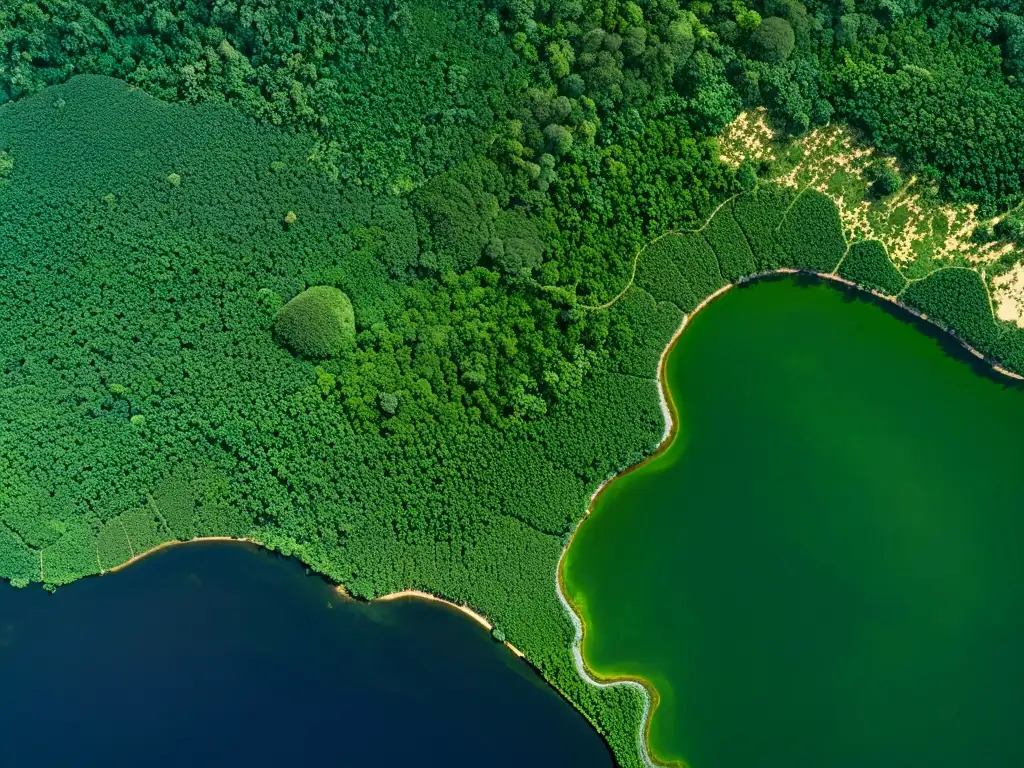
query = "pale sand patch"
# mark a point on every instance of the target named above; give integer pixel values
(827, 157)
(748, 137)
(415, 593)
(1009, 296)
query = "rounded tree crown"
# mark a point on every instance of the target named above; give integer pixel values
(317, 323)
(773, 41)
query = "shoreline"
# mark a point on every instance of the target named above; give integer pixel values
(173, 543)
(671, 417)
(340, 588)
(421, 595)
(648, 691)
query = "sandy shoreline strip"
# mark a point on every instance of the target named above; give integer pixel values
(167, 545)
(420, 595)
(669, 414)
(405, 593)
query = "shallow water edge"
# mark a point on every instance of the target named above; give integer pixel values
(951, 343)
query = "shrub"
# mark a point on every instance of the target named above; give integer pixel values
(1011, 226)
(746, 176)
(868, 264)
(317, 323)
(886, 182)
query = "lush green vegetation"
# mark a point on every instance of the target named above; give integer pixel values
(811, 234)
(148, 398)
(957, 299)
(868, 265)
(349, 288)
(759, 214)
(317, 323)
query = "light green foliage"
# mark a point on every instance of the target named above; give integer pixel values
(868, 264)
(392, 94)
(21, 564)
(811, 235)
(317, 323)
(398, 465)
(638, 330)
(112, 544)
(471, 178)
(72, 557)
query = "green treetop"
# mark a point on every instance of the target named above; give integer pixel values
(317, 323)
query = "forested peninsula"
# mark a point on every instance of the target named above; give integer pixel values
(385, 288)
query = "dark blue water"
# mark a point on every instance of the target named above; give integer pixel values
(222, 654)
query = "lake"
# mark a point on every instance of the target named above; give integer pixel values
(826, 567)
(223, 654)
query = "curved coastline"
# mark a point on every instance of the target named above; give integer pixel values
(671, 416)
(173, 543)
(405, 593)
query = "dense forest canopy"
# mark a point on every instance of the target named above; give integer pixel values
(494, 214)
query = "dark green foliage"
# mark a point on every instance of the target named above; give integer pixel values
(1008, 348)
(608, 202)
(657, 274)
(317, 323)
(1011, 227)
(148, 399)
(760, 214)
(453, 223)
(746, 175)
(730, 245)
(470, 177)
(773, 40)
(936, 95)
(957, 299)
(811, 235)
(640, 327)
(20, 564)
(394, 94)
(868, 264)
(516, 246)
(887, 181)
(697, 264)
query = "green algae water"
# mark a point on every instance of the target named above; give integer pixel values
(826, 567)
